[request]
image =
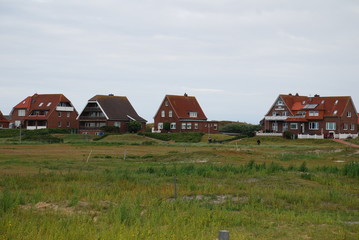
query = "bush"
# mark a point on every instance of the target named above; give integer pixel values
(134, 126)
(242, 128)
(193, 137)
(110, 129)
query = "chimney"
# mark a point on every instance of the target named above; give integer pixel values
(297, 94)
(111, 95)
(316, 95)
(185, 94)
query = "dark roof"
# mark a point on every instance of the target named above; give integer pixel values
(42, 101)
(117, 107)
(3, 118)
(183, 105)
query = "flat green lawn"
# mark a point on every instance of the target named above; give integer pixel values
(115, 189)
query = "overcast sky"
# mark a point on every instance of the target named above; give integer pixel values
(235, 56)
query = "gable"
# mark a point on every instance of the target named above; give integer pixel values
(186, 107)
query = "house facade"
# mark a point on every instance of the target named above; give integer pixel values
(42, 111)
(182, 114)
(4, 123)
(330, 117)
(108, 110)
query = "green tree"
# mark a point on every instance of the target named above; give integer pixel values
(242, 128)
(166, 126)
(134, 126)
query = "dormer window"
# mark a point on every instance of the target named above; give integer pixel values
(48, 105)
(335, 112)
(193, 114)
(323, 101)
(336, 102)
(313, 113)
(23, 102)
(41, 104)
(303, 103)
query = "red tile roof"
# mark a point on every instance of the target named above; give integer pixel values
(326, 106)
(2, 118)
(42, 101)
(183, 105)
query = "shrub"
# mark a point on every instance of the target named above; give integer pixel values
(192, 137)
(242, 128)
(134, 126)
(110, 129)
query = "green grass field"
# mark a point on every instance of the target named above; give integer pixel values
(122, 187)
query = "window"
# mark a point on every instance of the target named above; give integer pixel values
(215, 126)
(285, 126)
(41, 104)
(336, 102)
(189, 125)
(285, 113)
(345, 126)
(160, 126)
(280, 103)
(59, 114)
(352, 126)
(196, 126)
(48, 105)
(323, 101)
(313, 125)
(274, 114)
(193, 114)
(313, 113)
(59, 124)
(349, 114)
(68, 124)
(166, 103)
(21, 112)
(117, 124)
(294, 126)
(331, 126)
(183, 125)
(173, 125)
(170, 113)
(17, 123)
(163, 114)
(275, 126)
(68, 114)
(335, 112)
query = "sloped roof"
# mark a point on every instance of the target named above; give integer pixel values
(42, 101)
(183, 105)
(3, 118)
(326, 106)
(117, 107)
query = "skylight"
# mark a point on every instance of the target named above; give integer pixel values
(310, 106)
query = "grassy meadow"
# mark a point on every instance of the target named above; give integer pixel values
(134, 187)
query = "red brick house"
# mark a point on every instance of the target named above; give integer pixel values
(182, 114)
(4, 123)
(44, 111)
(325, 116)
(108, 110)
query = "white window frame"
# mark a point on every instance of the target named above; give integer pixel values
(196, 126)
(345, 126)
(68, 124)
(183, 126)
(215, 126)
(349, 114)
(275, 126)
(41, 104)
(173, 125)
(59, 114)
(68, 114)
(189, 125)
(285, 126)
(166, 103)
(163, 113)
(117, 124)
(335, 112)
(331, 126)
(313, 125)
(21, 112)
(59, 124)
(313, 113)
(352, 126)
(160, 126)
(280, 103)
(192, 114)
(293, 125)
(170, 113)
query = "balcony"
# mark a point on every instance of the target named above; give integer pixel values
(64, 109)
(35, 127)
(276, 118)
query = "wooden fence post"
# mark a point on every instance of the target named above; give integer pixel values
(223, 235)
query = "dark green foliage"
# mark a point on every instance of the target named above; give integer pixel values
(303, 167)
(288, 135)
(134, 126)
(177, 137)
(242, 128)
(166, 126)
(110, 129)
(43, 136)
(351, 169)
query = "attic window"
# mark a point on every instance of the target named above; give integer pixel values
(323, 101)
(310, 106)
(48, 104)
(336, 102)
(166, 103)
(280, 103)
(41, 104)
(193, 114)
(303, 102)
(23, 102)
(335, 112)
